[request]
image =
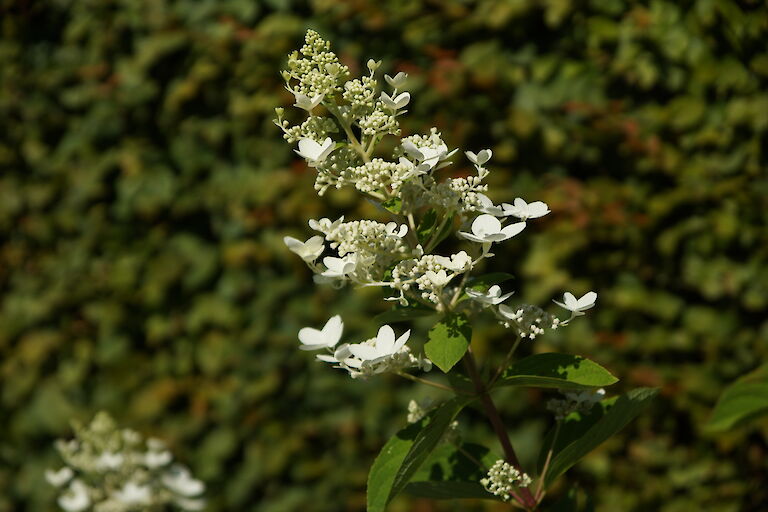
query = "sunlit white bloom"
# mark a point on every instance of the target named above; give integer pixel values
(429, 156)
(309, 250)
(339, 267)
(313, 152)
(133, 494)
(398, 102)
(109, 460)
(60, 477)
(396, 81)
(153, 459)
(492, 297)
(180, 481)
(325, 225)
(487, 228)
(480, 158)
(523, 210)
(438, 279)
(327, 337)
(487, 206)
(413, 170)
(577, 306)
(401, 231)
(384, 345)
(75, 498)
(305, 102)
(459, 262)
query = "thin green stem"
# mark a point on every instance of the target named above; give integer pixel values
(540, 491)
(431, 383)
(504, 365)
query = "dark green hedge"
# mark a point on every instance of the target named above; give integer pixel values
(144, 193)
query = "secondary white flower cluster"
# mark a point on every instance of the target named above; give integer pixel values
(575, 401)
(112, 470)
(503, 478)
(384, 353)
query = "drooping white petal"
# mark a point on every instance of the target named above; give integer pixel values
(513, 229)
(479, 158)
(313, 152)
(397, 81)
(364, 352)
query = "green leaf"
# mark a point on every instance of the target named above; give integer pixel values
(404, 453)
(573, 427)
(448, 341)
(393, 204)
(450, 491)
(426, 226)
(618, 416)
(403, 313)
(553, 370)
(453, 472)
(742, 401)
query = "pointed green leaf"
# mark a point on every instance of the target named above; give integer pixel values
(744, 400)
(404, 453)
(624, 410)
(453, 472)
(448, 341)
(552, 370)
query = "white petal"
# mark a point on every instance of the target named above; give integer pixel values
(309, 149)
(570, 301)
(311, 338)
(60, 477)
(401, 341)
(332, 331)
(485, 224)
(385, 339)
(513, 229)
(364, 352)
(587, 300)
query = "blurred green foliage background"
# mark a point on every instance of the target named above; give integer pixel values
(144, 194)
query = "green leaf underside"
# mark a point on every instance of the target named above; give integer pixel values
(574, 426)
(405, 452)
(450, 490)
(427, 226)
(448, 341)
(744, 400)
(624, 410)
(403, 314)
(453, 472)
(553, 370)
(393, 204)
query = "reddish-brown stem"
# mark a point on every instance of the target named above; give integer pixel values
(525, 496)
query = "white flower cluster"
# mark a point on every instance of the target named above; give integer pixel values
(575, 401)
(113, 470)
(503, 478)
(384, 353)
(405, 182)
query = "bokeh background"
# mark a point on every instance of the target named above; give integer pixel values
(144, 194)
